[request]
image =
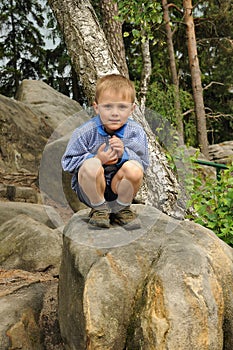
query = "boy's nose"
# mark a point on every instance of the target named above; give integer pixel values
(115, 110)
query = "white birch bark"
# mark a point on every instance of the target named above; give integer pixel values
(146, 73)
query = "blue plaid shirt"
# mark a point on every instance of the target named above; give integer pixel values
(86, 140)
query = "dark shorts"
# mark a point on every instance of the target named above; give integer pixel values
(109, 195)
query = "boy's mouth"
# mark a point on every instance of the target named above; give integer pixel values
(114, 121)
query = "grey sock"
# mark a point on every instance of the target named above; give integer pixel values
(116, 206)
(100, 206)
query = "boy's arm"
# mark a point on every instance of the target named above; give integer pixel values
(136, 147)
(76, 152)
(72, 159)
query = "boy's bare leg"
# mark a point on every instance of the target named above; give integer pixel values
(126, 184)
(91, 179)
(127, 181)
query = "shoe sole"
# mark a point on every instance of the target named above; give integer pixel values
(98, 225)
(132, 225)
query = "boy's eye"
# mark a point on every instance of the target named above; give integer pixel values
(108, 106)
(123, 107)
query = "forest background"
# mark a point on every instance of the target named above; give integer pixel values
(32, 47)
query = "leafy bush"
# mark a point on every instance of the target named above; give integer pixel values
(162, 101)
(213, 204)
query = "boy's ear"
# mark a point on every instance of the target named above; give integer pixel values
(96, 108)
(133, 107)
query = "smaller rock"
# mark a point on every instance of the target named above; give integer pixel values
(222, 152)
(30, 245)
(20, 304)
(41, 213)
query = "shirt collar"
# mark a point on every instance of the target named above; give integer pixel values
(101, 131)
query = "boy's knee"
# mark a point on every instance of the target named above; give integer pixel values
(90, 168)
(132, 168)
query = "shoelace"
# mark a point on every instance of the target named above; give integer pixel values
(100, 212)
(127, 212)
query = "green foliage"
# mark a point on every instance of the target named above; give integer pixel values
(32, 47)
(21, 43)
(161, 100)
(213, 204)
(217, 60)
(213, 28)
(143, 15)
(58, 68)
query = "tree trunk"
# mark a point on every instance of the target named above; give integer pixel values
(92, 58)
(196, 78)
(175, 80)
(87, 45)
(75, 89)
(146, 73)
(113, 32)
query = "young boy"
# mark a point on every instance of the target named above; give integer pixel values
(108, 155)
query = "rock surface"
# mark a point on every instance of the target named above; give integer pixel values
(31, 241)
(18, 239)
(30, 255)
(222, 152)
(168, 285)
(52, 107)
(23, 137)
(51, 175)
(42, 213)
(39, 116)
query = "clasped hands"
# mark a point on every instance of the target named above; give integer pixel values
(111, 155)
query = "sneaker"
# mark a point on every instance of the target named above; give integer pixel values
(99, 218)
(127, 218)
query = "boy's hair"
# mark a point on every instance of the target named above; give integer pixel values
(117, 83)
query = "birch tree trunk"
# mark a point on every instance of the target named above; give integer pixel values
(196, 78)
(146, 73)
(175, 80)
(85, 40)
(113, 32)
(92, 58)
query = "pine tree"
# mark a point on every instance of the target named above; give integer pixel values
(58, 69)
(21, 43)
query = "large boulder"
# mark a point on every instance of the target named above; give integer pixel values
(168, 285)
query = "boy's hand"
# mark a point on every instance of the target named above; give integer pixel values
(107, 157)
(117, 145)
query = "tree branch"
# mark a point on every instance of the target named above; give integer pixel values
(211, 83)
(176, 7)
(188, 112)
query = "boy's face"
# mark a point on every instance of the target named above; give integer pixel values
(113, 109)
